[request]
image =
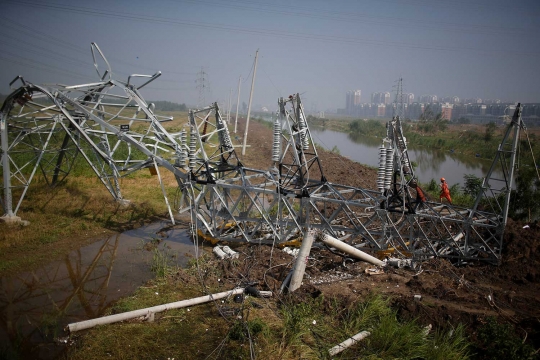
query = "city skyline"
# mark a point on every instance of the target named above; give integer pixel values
(485, 48)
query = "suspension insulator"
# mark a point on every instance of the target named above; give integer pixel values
(192, 148)
(276, 149)
(181, 153)
(302, 127)
(406, 166)
(389, 168)
(223, 135)
(382, 168)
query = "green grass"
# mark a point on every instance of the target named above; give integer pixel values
(286, 328)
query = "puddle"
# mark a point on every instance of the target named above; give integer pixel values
(36, 306)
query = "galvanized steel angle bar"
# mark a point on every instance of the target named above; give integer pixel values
(123, 136)
(31, 176)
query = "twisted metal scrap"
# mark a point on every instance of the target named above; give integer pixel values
(117, 133)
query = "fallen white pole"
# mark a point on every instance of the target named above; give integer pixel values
(340, 245)
(349, 342)
(87, 324)
(301, 261)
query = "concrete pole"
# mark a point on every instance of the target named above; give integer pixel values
(249, 105)
(346, 248)
(229, 108)
(87, 324)
(237, 104)
(301, 261)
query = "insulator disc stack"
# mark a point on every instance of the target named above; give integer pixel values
(405, 159)
(181, 160)
(302, 126)
(382, 168)
(389, 168)
(276, 148)
(192, 148)
(224, 136)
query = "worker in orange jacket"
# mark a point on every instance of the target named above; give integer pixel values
(420, 197)
(445, 192)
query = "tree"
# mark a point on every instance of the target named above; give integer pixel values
(472, 184)
(490, 131)
(525, 199)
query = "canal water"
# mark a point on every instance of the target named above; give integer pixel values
(36, 306)
(431, 164)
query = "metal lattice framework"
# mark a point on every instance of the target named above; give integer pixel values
(117, 133)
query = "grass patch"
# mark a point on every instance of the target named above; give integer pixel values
(288, 328)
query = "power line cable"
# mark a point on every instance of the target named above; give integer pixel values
(264, 32)
(35, 33)
(366, 19)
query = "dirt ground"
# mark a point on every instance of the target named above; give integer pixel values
(437, 293)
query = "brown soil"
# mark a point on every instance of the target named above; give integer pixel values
(448, 295)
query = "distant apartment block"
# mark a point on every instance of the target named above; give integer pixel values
(380, 98)
(352, 102)
(428, 99)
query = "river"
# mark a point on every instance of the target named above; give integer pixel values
(431, 164)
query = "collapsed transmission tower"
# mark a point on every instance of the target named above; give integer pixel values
(117, 133)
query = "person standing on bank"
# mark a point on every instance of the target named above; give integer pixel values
(445, 192)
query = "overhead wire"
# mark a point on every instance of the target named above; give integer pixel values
(391, 21)
(265, 32)
(34, 33)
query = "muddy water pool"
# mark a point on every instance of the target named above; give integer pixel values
(35, 306)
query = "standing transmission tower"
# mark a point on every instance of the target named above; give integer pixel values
(399, 107)
(202, 87)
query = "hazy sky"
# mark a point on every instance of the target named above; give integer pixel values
(469, 48)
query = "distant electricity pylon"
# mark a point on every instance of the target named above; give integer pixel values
(202, 87)
(399, 107)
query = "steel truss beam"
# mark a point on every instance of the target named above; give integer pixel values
(107, 122)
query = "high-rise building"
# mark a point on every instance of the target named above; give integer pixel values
(408, 98)
(352, 102)
(446, 111)
(349, 99)
(380, 98)
(357, 97)
(428, 99)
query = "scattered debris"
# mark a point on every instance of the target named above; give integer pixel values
(374, 271)
(349, 342)
(426, 330)
(230, 252)
(225, 252)
(219, 253)
(400, 263)
(292, 252)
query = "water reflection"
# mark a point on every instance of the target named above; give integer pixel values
(36, 306)
(431, 164)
